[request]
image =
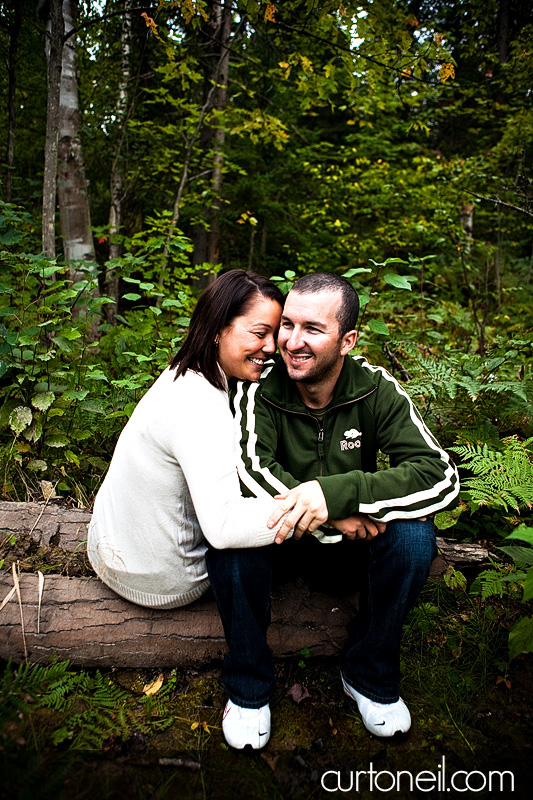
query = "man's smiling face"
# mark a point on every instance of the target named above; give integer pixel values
(308, 337)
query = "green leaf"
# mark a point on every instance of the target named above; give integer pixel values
(521, 637)
(45, 272)
(37, 463)
(57, 440)
(528, 586)
(155, 311)
(97, 462)
(131, 296)
(524, 533)
(64, 344)
(378, 326)
(80, 435)
(72, 457)
(355, 271)
(81, 394)
(34, 432)
(169, 303)
(71, 333)
(43, 400)
(96, 375)
(20, 419)
(10, 237)
(523, 554)
(96, 406)
(446, 519)
(399, 281)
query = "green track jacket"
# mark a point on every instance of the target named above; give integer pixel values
(281, 445)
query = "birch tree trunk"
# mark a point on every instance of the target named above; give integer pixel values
(53, 46)
(117, 175)
(72, 185)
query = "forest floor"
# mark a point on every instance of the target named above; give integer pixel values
(472, 716)
(318, 742)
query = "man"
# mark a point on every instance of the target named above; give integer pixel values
(316, 421)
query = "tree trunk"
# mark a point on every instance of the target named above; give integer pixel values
(82, 620)
(503, 30)
(223, 17)
(467, 223)
(12, 73)
(72, 185)
(207, 239)
(117, 177)
(54, 47)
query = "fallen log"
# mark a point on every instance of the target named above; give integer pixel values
(82, 620)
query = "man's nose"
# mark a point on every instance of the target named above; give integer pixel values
(295, 341)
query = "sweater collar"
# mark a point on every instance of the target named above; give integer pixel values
(353, 384)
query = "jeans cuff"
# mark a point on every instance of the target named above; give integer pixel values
(248, 703)
(370, 695)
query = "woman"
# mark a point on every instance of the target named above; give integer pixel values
(172, 480)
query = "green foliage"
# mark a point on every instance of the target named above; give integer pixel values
(64, 394)
(503, 477)
(91, 709)
(513, 579)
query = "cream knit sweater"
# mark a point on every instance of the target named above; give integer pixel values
(173, 481)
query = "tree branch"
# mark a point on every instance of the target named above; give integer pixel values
(496, 200)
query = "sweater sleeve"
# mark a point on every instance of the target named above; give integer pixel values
(204, 447)
(421, 480)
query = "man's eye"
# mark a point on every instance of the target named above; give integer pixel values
(286, 325)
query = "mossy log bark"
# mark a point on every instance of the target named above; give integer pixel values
(81, 619)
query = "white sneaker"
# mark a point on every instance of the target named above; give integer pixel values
(381, 719)
(246, 726)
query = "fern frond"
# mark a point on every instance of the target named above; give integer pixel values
(502, 478)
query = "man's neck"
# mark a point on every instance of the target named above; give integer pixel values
(318, 395)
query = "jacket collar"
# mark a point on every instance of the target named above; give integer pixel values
(354, 383)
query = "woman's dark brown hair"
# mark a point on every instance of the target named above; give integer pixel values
(228, 297)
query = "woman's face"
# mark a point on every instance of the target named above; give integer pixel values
(249, 340)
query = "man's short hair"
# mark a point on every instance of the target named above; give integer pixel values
(326, 282)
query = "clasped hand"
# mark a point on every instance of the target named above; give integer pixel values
(305, 509)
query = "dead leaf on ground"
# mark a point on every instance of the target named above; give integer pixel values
(298, 693)
(271, 760)
(152, 688)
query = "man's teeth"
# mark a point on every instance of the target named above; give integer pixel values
(257, 361)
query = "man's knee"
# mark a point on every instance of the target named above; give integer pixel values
(412, 542)
(242, 564)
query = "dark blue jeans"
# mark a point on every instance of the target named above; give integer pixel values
(391, 568)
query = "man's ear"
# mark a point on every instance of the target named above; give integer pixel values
(348, 342)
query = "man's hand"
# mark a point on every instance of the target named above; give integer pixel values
(305, 508)
(358, 526)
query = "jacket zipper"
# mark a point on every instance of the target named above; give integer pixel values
(320, 423)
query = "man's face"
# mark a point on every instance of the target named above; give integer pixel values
(308, 337)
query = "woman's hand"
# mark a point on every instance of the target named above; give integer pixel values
(305, 508)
